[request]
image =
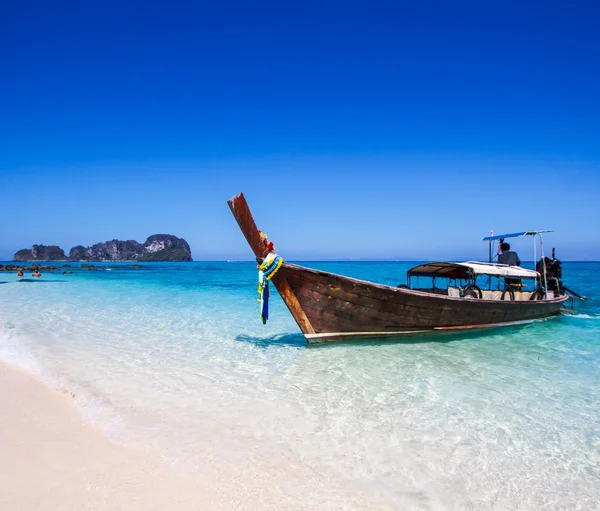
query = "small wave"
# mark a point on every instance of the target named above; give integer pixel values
(96, 408)
(14, 353)
(584, 316)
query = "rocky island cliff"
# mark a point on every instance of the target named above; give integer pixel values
(158, 247)
(41, 253)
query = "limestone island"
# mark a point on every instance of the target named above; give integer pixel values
(158, 247)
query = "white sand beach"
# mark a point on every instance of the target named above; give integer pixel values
(53, 460)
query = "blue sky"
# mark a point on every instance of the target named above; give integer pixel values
(355, 129)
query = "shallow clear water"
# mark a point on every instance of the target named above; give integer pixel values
(174, 358)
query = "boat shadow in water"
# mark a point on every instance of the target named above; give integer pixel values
(42, 281)
(295, 340)
(299, 341)
(439, 337)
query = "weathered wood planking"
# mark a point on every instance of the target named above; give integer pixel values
(241, 212)
(336, 303)
(292, 303)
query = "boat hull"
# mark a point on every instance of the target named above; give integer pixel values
(336, 307)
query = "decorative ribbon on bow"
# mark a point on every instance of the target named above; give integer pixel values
(269, 267)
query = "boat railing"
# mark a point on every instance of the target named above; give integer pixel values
(496, 289)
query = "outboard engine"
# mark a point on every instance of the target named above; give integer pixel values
(553, 268)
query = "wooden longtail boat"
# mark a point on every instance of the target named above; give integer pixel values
(330, 307)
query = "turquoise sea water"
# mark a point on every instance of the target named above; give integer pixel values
(174, 359)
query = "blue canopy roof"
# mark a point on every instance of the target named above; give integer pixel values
(513, 235)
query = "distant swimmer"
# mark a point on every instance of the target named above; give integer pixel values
(20, 273)
(37, 274)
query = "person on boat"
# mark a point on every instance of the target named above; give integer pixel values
(512, 259)
(508, 256)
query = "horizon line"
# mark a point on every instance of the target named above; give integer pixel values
(361, 260)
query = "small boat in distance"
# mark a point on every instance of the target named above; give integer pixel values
(329, 307)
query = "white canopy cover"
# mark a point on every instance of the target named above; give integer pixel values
(460, 270)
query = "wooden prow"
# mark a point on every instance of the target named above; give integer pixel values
(241, 212)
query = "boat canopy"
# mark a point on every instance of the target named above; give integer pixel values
(513, 235)
(470, 269)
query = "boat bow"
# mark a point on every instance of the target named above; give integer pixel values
(241, 212)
